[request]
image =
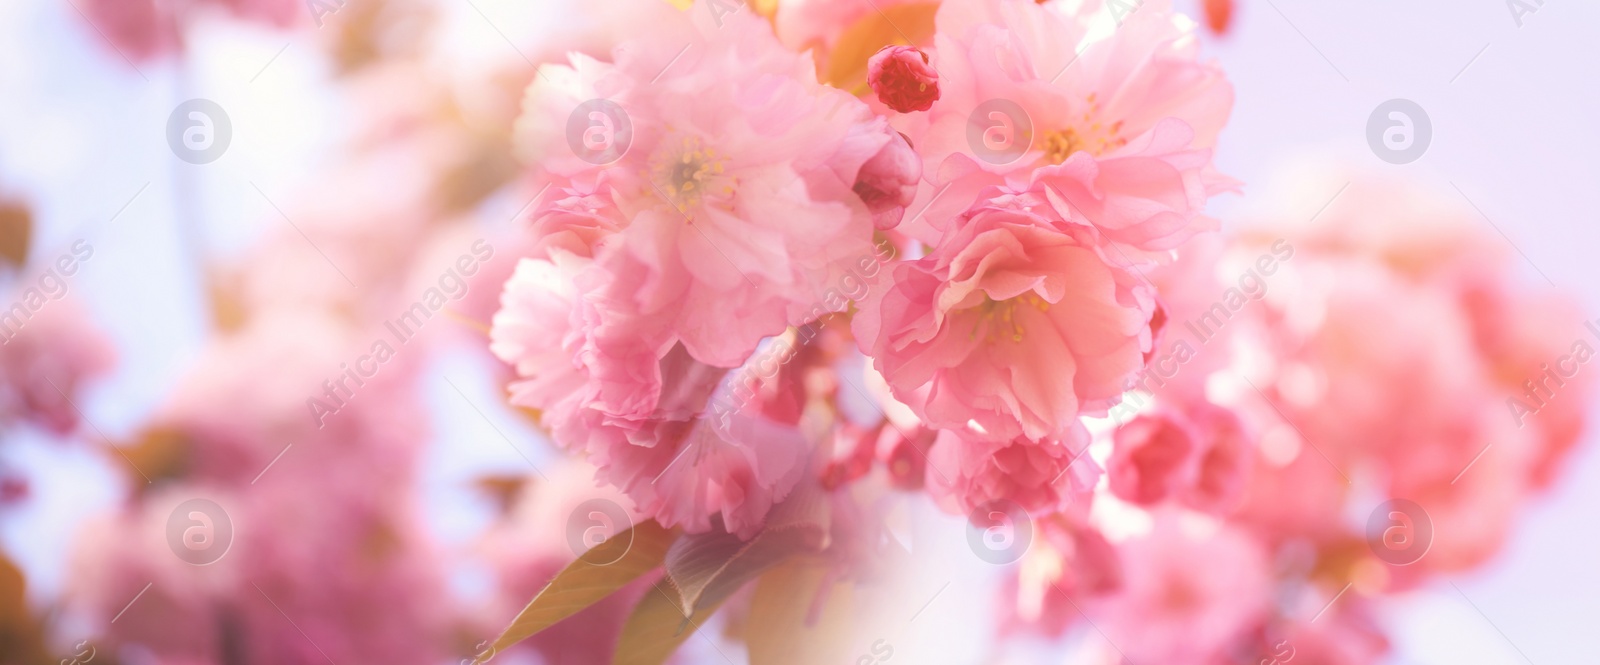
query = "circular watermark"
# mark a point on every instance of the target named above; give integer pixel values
(999, 531)
(999, 131)
(1399, 131)
(1399, 532)
(199, 531)
(599, 131)
(198, 131)
(80, 656)
(594, 522)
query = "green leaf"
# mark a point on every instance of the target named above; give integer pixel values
(588, 580)
(706, 568)
(657, 627)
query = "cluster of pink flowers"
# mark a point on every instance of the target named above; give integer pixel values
(319, 525)
(321, 550)
(747, 193)
(47, 359)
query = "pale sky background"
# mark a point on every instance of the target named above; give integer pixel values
(80, 133)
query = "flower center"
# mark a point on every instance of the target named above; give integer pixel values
(997, 319)
(687, 172)
(1091, 135)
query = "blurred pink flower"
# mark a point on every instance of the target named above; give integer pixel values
(326, 525)
(44, 363)
(142, 29)
(1226, 457)
(356, 576)
(1189, 593)
(1523, 334)
(1200, 457)
(1402, 355)
(146, 29)
(250, 395)
(1152, 460)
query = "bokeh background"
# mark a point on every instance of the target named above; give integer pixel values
(1512, 104)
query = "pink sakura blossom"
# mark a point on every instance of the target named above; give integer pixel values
(1043, 476)
(643, 422)
(1191, 590)
(902, 79)
(355, 572)
(1145, 198)
(1116, 130)
(325, 523)
(1227, 453)
(737, 191)
(538, 331)
(1403, 354)
(1200, 458)
(1525, 337)
(576, 223)
(294, 376)
(139, 28)
(1291, 493)
(1152, 458)
(1013, 326)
